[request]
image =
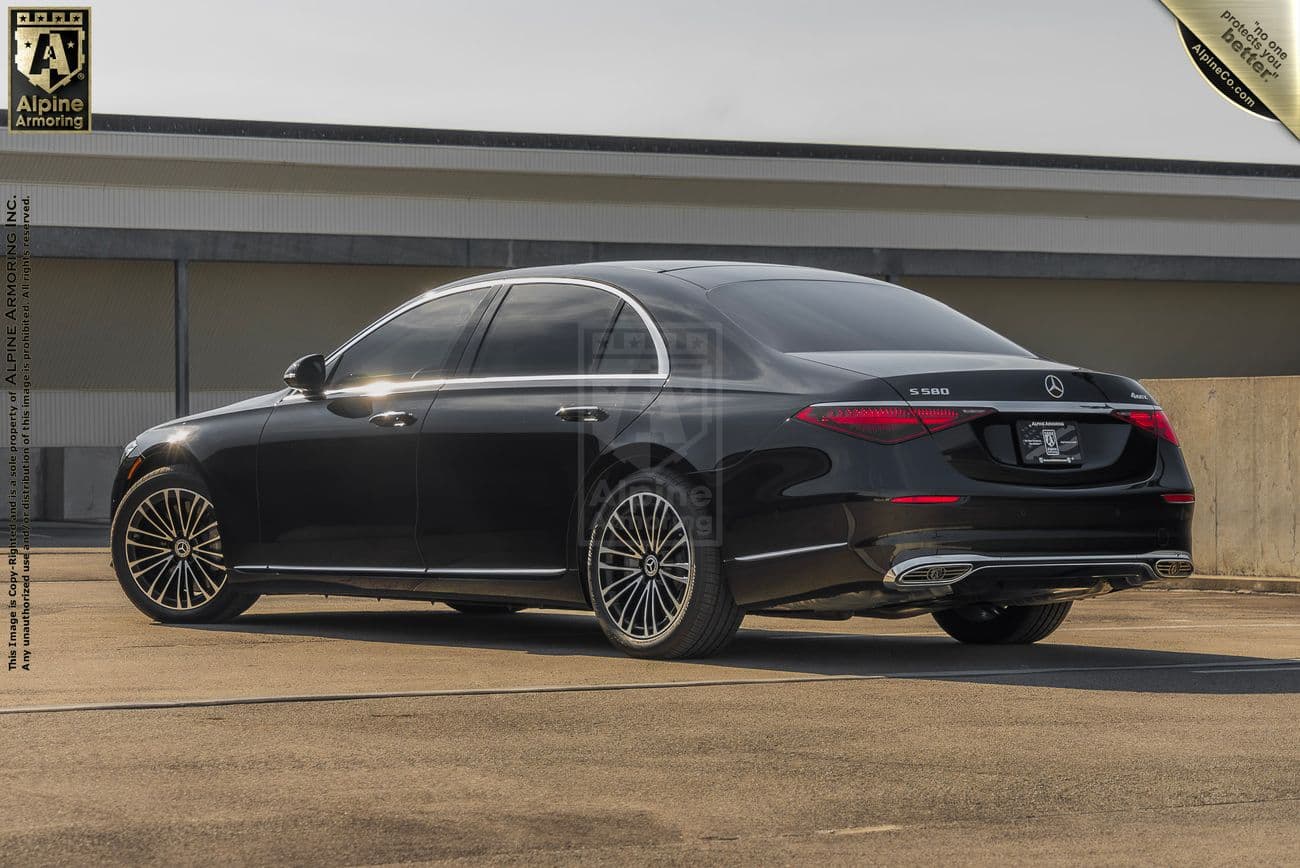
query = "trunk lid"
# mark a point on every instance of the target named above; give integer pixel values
(918, 376)
(1045, 424)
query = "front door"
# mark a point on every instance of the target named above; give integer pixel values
(337, 474)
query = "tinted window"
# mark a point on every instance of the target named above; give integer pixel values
(628, 348)
(418, 341)
(546, 328)
(808, 316)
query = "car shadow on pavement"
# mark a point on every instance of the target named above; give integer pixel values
(781, 653)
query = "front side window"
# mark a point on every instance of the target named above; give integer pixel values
(546, 328)
(420, 341)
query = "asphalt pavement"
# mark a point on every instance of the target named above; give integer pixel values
(1154, 727)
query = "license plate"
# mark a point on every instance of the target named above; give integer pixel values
(1044, 443)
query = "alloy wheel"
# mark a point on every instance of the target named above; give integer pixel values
(644, 564)
(173, 549)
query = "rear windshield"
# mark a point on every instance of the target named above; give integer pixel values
(812, 316)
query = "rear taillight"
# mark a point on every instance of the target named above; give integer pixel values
(887, 424)
(1153, 421)
(1180, 497)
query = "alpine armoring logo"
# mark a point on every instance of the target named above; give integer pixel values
(49, 82)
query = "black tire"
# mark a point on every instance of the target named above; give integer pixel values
(485, 608)
(705, 616)
(1007, 625)
(220, 605)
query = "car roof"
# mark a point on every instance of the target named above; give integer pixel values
(704, 273)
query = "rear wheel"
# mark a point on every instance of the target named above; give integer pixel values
(656, 588)
(167, 551)
(1002, 625)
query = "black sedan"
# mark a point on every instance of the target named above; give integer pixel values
(672, 445)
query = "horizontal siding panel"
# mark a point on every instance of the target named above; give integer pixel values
(71, 417)
(240, 149)
(639, 222)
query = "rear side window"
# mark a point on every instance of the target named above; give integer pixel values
(421, 340)
(546, 328)
(811, 316)
(628, 348)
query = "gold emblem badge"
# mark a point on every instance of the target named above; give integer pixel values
(49, 82)
(1247, 50)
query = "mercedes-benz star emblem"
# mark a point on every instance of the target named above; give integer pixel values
(1054, 386)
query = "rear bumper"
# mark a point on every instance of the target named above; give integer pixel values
(935, 570)
(824, 548)
(812, 522)
(918, 585)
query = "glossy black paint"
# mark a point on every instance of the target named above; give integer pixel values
(486, 493)
(337, 490)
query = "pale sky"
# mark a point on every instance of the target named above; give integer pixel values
(1095, 77)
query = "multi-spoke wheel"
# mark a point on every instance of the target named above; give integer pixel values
(643, 565)
(655, 585)
(167, 550)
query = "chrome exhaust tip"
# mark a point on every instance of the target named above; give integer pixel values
(1173, 568)
(934, 574)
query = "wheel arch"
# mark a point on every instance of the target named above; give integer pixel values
(603, 476)
(153, 458)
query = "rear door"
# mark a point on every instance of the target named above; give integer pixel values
(560, 369)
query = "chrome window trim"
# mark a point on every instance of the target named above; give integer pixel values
(385, 387)
(542, 378)
(389, 387)
(1054, 407)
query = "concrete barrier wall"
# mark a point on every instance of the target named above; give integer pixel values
(1241, 438)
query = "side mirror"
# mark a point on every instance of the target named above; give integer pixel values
(307, 375)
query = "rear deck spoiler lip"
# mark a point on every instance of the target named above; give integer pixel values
(888, 364)
(1049, 407)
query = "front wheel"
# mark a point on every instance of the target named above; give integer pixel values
(167, 552)
(1002, 625)
(656, 587)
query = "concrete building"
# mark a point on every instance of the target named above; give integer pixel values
(265, 242)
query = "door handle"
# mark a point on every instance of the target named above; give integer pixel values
(582, 414)
(393, 419)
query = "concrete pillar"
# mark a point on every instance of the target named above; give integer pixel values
(182, 299)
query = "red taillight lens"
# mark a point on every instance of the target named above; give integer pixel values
(939, 418)
(1179, 498)
(879, 424)
(886, 424)
(1154, 421)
